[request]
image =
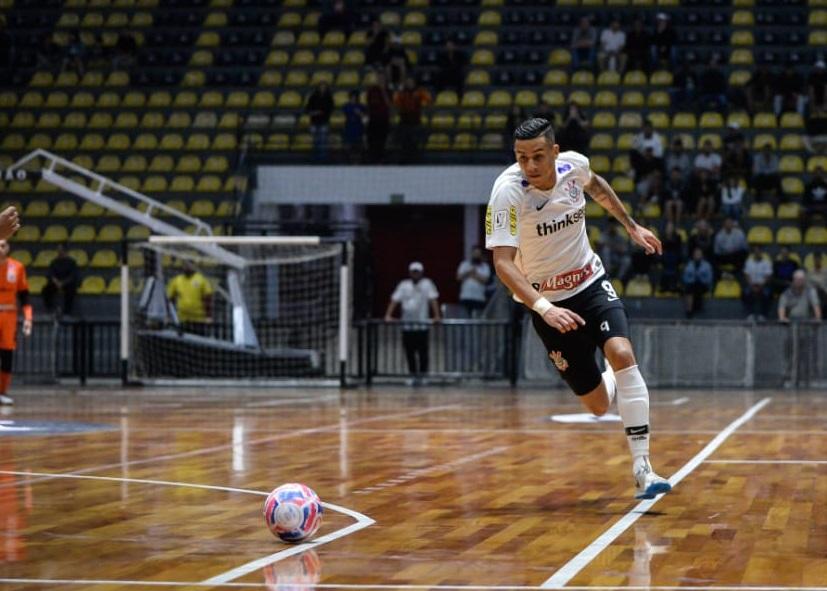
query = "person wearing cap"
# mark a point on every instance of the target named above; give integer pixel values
(415, 296)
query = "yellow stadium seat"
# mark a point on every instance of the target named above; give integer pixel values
(469, 121)
(137, 233)
(495, 121)
(604, 120)
(636, 78)
(447, 98)
(764, 121)
(161, 163)
(743, 18)
(353, 58)
(27, 233)
(621, 164)
(792, 121)
(90, 210)
(741, 57)
(499, 99)
(684, 121)
(526, 99)
(491, 141)
(554, 98)
(110, 233)
(277, 58)
(202, 208)
(438, 141)
(55, 233)
(711, 119)
(816, 162)
(817, 18)
(290, 100)
(593, 210)
(486, 38)
(601, 141)
(605, 99)
(582, 98)
(23, 256)
(816, 235)
(442, 120)
(630, 119)
(92, 285)
(65, 208)
(727, 288)
(36, 209)
(489, 18)
(154, 183)
(559, 57)
(658, 99)
(108, 164)
(623, 185)
(712, 138)
(208, 184)
(600, 164)
(789, 211)
(792, 141)
(632, 99)
(639, 287)
(44, 258)
(742, 38)
(788, 235)
(760, 211)
(104, 259)
(759, 235)
(182, 183)
(582, 78)
(35, 99)
(791, 185)
(39, 141)
(482, 57)
(464, 142)
(556, 78)
(661, 78)
(791, 163)
(188, 164)
(478, 78)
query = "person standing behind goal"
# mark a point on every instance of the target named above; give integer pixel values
(14, 287)
(535, 225)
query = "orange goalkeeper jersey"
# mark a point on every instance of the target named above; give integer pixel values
(12, 281)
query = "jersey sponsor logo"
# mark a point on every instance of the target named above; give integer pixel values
(565, 281)
(512, 217)
(558, 360)
(574, 217)
(564, 167)
(500, 219)
(11, 276)
(489, 224)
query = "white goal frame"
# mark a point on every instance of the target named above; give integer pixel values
(214, 245)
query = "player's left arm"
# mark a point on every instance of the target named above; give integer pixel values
(601, 191)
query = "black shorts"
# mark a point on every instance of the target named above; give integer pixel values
(573, 352)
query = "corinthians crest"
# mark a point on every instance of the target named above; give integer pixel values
(559, 360)
(571, 190)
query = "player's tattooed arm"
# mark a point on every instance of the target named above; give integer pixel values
(601, 191)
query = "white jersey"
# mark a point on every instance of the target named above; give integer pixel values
(547, 227)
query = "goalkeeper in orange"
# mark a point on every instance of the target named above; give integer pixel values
(14, 288)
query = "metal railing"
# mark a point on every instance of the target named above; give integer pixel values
(456, 349)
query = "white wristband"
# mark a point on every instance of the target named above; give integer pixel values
(541, 306)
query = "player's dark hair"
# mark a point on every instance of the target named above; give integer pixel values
(534, 128)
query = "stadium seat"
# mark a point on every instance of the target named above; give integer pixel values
(792, 185)
(55, 233)
(36, 209)
(789, 211)
(760, 235)
(82, 233)
(605, 99)
(816, 162)
(65, 208)
(764, 121)
(104, 259)
(44, 258)
(110, 233)
(593, 210)
(639, 287)
(27, 233)
(791, 163)
(760, 211)
(92, 285)
(788, 235)
(154, 183)
(89, 210)
(80, 256)
(791, 121)
(816, 235)
(727, 288)
(137, 233)
(22, 255)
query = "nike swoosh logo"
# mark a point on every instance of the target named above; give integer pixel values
(539, 207)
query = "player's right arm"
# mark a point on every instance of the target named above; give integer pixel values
(562, 319)
(9, 222)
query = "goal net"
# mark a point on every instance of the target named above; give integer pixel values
(240, 309)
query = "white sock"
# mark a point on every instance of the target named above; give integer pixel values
(633, 406)
(610, 382)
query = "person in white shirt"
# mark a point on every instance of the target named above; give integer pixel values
(473, 275)
(757, 293)
(708, 160)
(535, 225)
(415, 296)
(612, 42)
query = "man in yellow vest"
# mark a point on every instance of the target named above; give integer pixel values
(191, 293)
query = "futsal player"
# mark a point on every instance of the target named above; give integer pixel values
(14, 288)
(535, 224)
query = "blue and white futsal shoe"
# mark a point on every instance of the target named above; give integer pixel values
(648, 485)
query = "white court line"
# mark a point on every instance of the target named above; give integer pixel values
(569, 570)
(311, 586)
(767, 462)
(288, 401)
(207, 450)
(414, 474)
(362, 521)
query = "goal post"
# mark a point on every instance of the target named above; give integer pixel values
(257, 310)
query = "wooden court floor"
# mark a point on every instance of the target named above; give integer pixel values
(429, 488)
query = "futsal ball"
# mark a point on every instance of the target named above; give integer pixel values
(293, 512)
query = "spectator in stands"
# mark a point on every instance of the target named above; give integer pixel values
(789, 95)
(191, 294)
(516, 116)
(757, 293)
(637, 47)
(684, 87)
(583, 45)
(378, 39)
(818, 277)
(379, 118)
(452, 63)
(671, 259)
(703, 191)
(782, 270)
(817, 87)
(732, 136)
(643, 163)
(766, 178)
(575, 133)
(63, 277)
(612, 44)
(663, 43)
(653, 192)
(674, 196)
(799, 301)
(732, 198)
(75, 57)
(708, 160)
(338, 18)
(815, 140)
(319, 107)
(353, 136)
(125, 51)
(473, 275)
(678, 158)
(815, 196)
(712, 87)
(760, 90)
(399, 65)
(697, 281)
(702, 237)
(614, 252)
(410, 102)
(415, 295)
(737, 159)
(730, 247)
(545, 111)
